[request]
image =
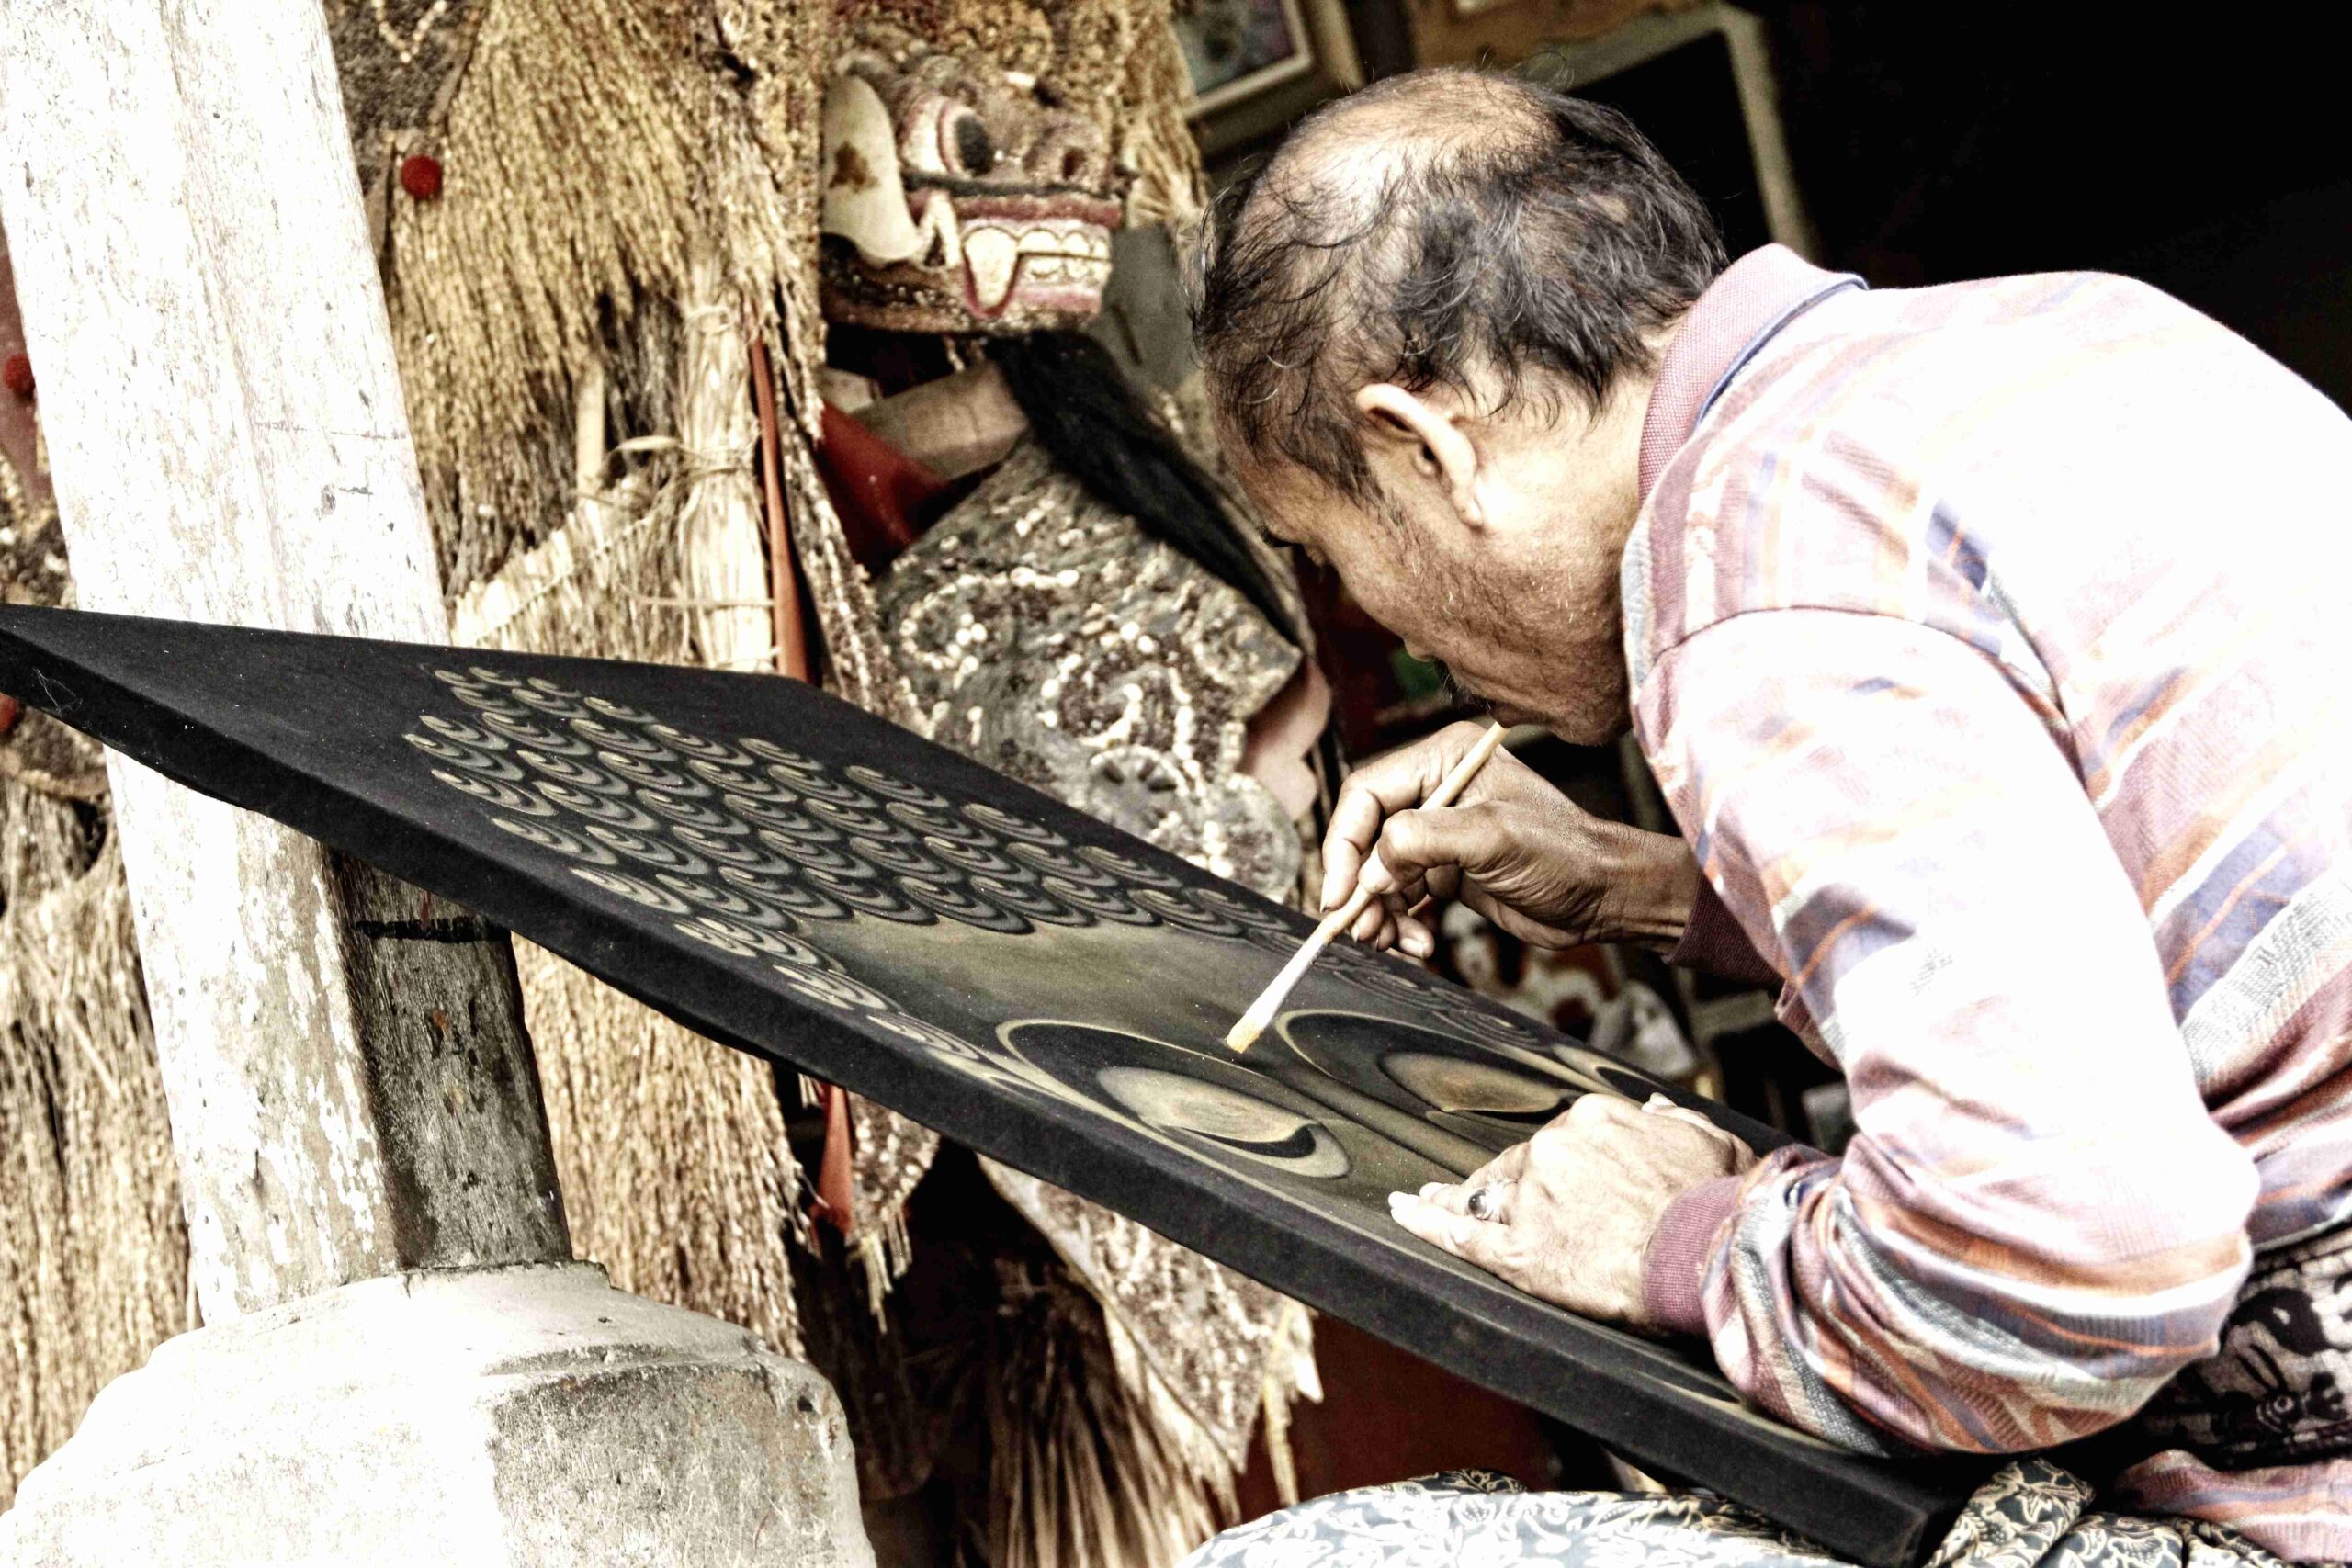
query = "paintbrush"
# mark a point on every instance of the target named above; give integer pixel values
(1262, 1012)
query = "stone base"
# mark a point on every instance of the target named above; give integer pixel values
(531, 1414)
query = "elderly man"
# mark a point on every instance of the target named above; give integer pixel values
(1987, 642)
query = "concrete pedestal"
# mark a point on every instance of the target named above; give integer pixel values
(528, 1414)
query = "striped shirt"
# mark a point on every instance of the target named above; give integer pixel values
(1989, 643)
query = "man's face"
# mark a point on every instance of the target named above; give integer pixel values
(1522, 605)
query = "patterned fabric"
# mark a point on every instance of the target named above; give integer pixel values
(2277, 1389)
(1053, 639)
(2031, 1515)
(1049, 636)
(2275, 1393)
(1985, 639)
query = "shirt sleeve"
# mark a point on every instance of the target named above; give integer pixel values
(1713, 944)
(2036, 1223)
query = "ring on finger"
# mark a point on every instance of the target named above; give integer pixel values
(1486, 1202)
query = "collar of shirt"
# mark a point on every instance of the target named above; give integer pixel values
(1755, 298)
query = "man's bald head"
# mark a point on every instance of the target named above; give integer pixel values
(1450, 229)
(1427, 118)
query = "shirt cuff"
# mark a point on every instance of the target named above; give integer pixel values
(1676, 1264)
(1714, 943)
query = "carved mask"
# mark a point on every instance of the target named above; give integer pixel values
(959, 200)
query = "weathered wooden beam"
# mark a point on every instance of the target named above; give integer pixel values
(352, 1091)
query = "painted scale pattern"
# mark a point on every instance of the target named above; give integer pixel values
(745, 840)
(757, 851)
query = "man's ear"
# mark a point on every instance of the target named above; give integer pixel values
(1441, 450)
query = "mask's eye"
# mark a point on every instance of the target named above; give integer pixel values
(964, 145)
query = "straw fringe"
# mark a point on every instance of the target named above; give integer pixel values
(1096, 1460)
(671, 1151)
(586, 150)
(889, 1155)
(603, 157)
(93, 1250)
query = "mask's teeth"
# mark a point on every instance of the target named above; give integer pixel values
(942, 242)
(991, 254)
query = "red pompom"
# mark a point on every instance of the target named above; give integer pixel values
(17, 374)
(421, 177)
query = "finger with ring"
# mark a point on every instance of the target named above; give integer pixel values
(1485, 1202)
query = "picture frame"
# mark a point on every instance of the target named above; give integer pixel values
(1502, 32)
(1660, 43)
(1709, 58)
(1259, 64)
(1237, 48)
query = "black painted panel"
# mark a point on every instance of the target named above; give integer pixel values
(792, 877)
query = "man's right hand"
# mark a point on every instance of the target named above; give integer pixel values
(1512, 847)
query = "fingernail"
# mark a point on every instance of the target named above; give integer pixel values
(1399, 1200)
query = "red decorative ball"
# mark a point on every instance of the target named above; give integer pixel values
(17, 374)
(421, 177)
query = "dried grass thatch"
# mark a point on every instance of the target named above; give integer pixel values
(1093, 1462)
(670, 1150)
(93, 1250)
(596, 152)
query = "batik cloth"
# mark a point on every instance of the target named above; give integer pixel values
(2031, 1515)
(1048, 635)
(1988, 643)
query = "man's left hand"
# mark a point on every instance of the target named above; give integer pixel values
(1569, 1213)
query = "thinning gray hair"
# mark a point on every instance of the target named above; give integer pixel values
(1432, 230)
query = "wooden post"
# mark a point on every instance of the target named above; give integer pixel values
(228, 443)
